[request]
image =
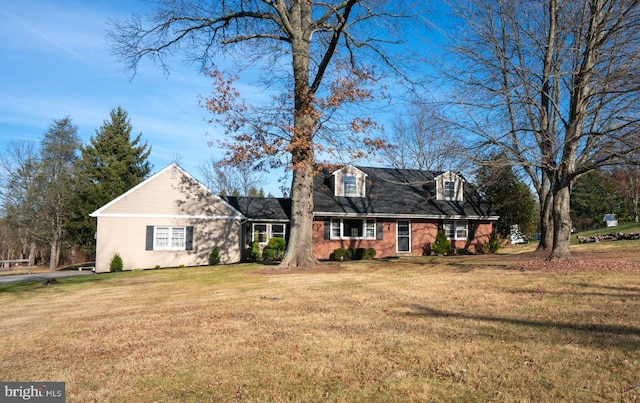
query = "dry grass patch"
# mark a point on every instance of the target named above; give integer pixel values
(377, 331)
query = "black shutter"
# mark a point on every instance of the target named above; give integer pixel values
(149, 244)
(472, 230)
(379, 225)
(327, 229)
(189, 241)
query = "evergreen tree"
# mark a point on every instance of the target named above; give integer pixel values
(511, 198)
(592, 197)
(110, 164)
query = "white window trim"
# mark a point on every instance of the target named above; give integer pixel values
(171, 228)
(454, 184)
(253, 233)
(457, 224)
(397, 243)
(269, 230)
(365, 221)
(284, 230)
(355, 192)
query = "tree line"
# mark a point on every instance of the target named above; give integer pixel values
(50, 188)
(610, 190)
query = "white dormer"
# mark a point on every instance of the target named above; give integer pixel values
(349, 182)
(449, 186)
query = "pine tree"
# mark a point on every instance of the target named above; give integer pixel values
(593, 196)
(110, 164)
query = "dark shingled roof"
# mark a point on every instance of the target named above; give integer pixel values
(262, 208)
(398, 192)
(390, 192)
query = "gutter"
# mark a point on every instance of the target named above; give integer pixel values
(406, 216)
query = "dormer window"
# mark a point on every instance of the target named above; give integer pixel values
(350, 185)
(348, 181)
(449, 191)
(449, 187)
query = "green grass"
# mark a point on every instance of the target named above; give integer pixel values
(627, 228)
(622, 227)
(397, 331)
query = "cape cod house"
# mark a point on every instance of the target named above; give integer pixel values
(395, 211)
(170, 219)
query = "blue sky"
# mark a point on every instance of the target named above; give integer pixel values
(56, 63)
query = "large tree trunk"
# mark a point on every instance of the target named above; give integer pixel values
(300, 247)
(55, 254)
(561, 224)
(546, 221)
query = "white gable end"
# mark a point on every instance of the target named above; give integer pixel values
(349, 181)
(171, 192)
(449, 187)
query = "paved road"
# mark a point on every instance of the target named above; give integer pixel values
(8, 278)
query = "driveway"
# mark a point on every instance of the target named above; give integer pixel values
(43, 276)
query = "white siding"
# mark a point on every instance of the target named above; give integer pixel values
(169, 198)
(127, 237)
(169, 193)
(338, 181)
(449, 177)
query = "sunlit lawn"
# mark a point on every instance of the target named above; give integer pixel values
(403, 330)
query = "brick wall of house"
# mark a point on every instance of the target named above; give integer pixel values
(482, 230)
(322, 247)
(423, 234)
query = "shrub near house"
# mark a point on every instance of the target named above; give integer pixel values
(275, 249)
(341, 254)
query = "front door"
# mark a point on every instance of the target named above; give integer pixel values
(403, 236)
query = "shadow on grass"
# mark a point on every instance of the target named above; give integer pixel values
(601, 332)
(587, 290)
(621, 295)
(37, 284)
(635, 290)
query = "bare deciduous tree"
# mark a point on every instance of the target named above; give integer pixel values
(422, 138)
(55, 179)
(231, 180)
(553, 84)
(302, 43)
(20, 196)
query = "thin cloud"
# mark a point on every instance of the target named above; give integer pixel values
(44, 36)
